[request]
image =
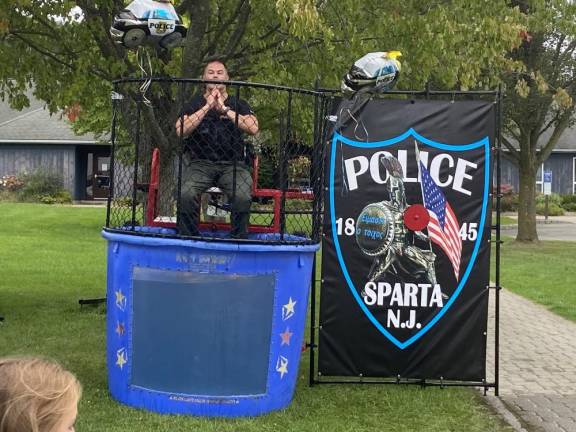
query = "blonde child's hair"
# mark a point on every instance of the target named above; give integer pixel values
(35, 394)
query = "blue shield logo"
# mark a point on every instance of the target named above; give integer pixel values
(407, 217)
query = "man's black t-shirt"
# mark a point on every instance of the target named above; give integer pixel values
(216, 138)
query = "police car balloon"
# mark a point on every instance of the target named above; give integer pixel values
(376, 72)
(148, 22)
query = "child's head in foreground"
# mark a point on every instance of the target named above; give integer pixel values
(37, 395)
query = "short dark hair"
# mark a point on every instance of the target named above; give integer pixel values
(216, 61)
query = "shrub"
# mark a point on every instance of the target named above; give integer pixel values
(61, 197)
(10, 183)
(553, 209)
(122, 202)
(505, 189)
(39, 184)
(299, 171)
(569, 203)
(554, 205)
(298, 204)
(6, 195)
(552, 199)
(509, 200)
(509, 203)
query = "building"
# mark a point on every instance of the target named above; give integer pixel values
(561, 164)
(32, 139)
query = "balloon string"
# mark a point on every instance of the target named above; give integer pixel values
(358, 123)
(145, 74)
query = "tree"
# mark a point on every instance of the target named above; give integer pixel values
(70, 58)
(539, 104)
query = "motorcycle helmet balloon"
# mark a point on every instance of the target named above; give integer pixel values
(375, 72)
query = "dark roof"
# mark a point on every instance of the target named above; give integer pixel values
(567, 141)
(35, 125)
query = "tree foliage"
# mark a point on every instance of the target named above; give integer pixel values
(540, 98)
(71, 58)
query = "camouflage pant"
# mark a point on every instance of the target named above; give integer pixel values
(200, 175)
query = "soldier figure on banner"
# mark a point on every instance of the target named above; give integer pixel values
(383, 228)
(383, 231)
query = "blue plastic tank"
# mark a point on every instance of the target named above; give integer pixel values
(205, 328)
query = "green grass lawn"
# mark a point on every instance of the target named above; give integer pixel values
(506, 220)
(543, 273)
(50, 256)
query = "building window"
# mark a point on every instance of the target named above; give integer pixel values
(540, 179)
(574, 175)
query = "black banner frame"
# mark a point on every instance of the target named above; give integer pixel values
(315, 378)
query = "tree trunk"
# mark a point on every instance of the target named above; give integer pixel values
(527, 203)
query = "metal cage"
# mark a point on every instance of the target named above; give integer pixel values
(155, 188)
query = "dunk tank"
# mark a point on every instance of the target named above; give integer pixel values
(206, 316)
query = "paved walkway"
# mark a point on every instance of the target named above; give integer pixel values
(556, 228)
(569, 217)
(537, 365)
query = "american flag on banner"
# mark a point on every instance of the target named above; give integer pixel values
(443, 227)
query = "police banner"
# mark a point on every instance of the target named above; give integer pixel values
(405, 256)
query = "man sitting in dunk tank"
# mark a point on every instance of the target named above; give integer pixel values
(215, 152)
